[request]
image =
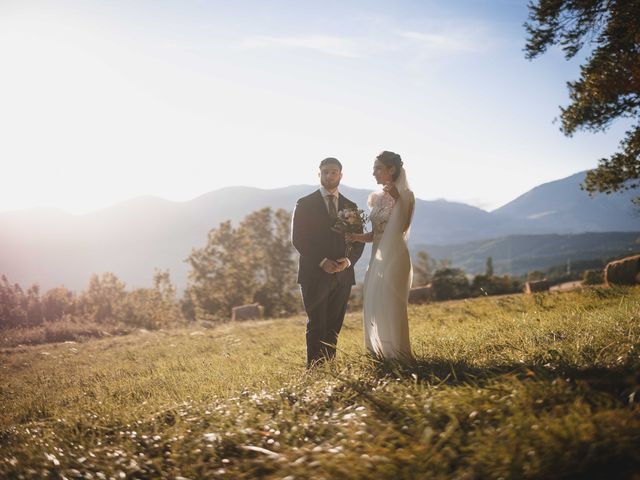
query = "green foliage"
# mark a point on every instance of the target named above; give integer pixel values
(493, 285)
(450, 283)
(57, 303)
(17, 307)
(500, 388)
(609, 85)
(145, 308)
(278, 291)
(423, 268)
(593, 277)
(104, 299)
(535, 276)
(251, 263)
(488, 271)
(152, 308)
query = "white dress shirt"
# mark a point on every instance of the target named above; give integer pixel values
(328, 196)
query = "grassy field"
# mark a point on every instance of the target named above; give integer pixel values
(543, 386)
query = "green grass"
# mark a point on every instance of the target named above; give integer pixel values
(544, 386)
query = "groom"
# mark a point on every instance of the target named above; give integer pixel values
(325, 275)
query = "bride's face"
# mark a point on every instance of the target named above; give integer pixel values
(383, 173)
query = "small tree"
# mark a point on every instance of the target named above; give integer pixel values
(278, 291)
(251, 263)
(535, 276)
(493, 285)
(488, 271)
(593, 277)
(423, 268)
(221, 274)
(57, 303)
(450, 283)
(13, 311)
(104, 299)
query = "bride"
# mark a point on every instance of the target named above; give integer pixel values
(388, 278)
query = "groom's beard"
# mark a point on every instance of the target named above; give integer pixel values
(330, 186)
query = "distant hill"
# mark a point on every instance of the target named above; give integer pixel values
(518, 254)
(561, 207)
(130, 239)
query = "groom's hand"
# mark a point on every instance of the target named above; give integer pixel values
(330, 266)
(343, 263)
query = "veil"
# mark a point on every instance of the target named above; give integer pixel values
(406, 199)
(396, 232)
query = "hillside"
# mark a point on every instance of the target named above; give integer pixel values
(512, 387)
(133, 238)
(519, 254)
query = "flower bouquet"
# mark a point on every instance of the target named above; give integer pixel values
(349, 220)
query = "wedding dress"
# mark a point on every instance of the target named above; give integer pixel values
(388, 278)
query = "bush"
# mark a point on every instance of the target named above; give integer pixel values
(104, 299)
(450, 283)
(57, 303)
(146, 308)
(593, 277)
(493, 285)
(19, 308)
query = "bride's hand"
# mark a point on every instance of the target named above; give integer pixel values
(354, 237)
(391, 189)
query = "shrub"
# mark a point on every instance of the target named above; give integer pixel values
(593, 277)
(493, 285)
(450, 283)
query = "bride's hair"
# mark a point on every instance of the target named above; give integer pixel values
(391, 159)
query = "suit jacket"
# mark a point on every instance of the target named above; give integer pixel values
(314, 240)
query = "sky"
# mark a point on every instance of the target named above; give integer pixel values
(103, 101)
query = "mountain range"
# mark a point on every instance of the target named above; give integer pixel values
(51, 247)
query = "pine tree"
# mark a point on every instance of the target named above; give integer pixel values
(609, 85)
(489, 268)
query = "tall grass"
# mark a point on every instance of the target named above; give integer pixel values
(542, 386)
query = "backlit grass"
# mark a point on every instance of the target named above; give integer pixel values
(541, 386)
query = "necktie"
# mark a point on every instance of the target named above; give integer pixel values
(333, 211)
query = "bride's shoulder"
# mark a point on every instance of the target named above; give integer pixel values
(374, 199)
(380, 199)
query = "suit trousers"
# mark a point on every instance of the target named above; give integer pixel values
(325, 302)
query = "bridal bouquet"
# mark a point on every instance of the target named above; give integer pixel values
(349, 220)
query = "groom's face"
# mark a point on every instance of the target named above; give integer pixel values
(330, 176)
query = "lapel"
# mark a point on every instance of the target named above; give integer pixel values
(341, 202)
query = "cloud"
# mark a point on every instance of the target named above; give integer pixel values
(429, 42)
(327, 44)
(447, 42)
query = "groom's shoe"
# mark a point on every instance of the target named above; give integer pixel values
(316, 362)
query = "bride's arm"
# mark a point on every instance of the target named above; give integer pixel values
(360, 237)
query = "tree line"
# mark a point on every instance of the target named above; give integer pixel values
(251, 263)
(104, 301)
(449, 283)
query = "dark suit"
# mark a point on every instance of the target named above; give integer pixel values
(325, 295)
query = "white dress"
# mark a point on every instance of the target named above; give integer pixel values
(388, 278)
